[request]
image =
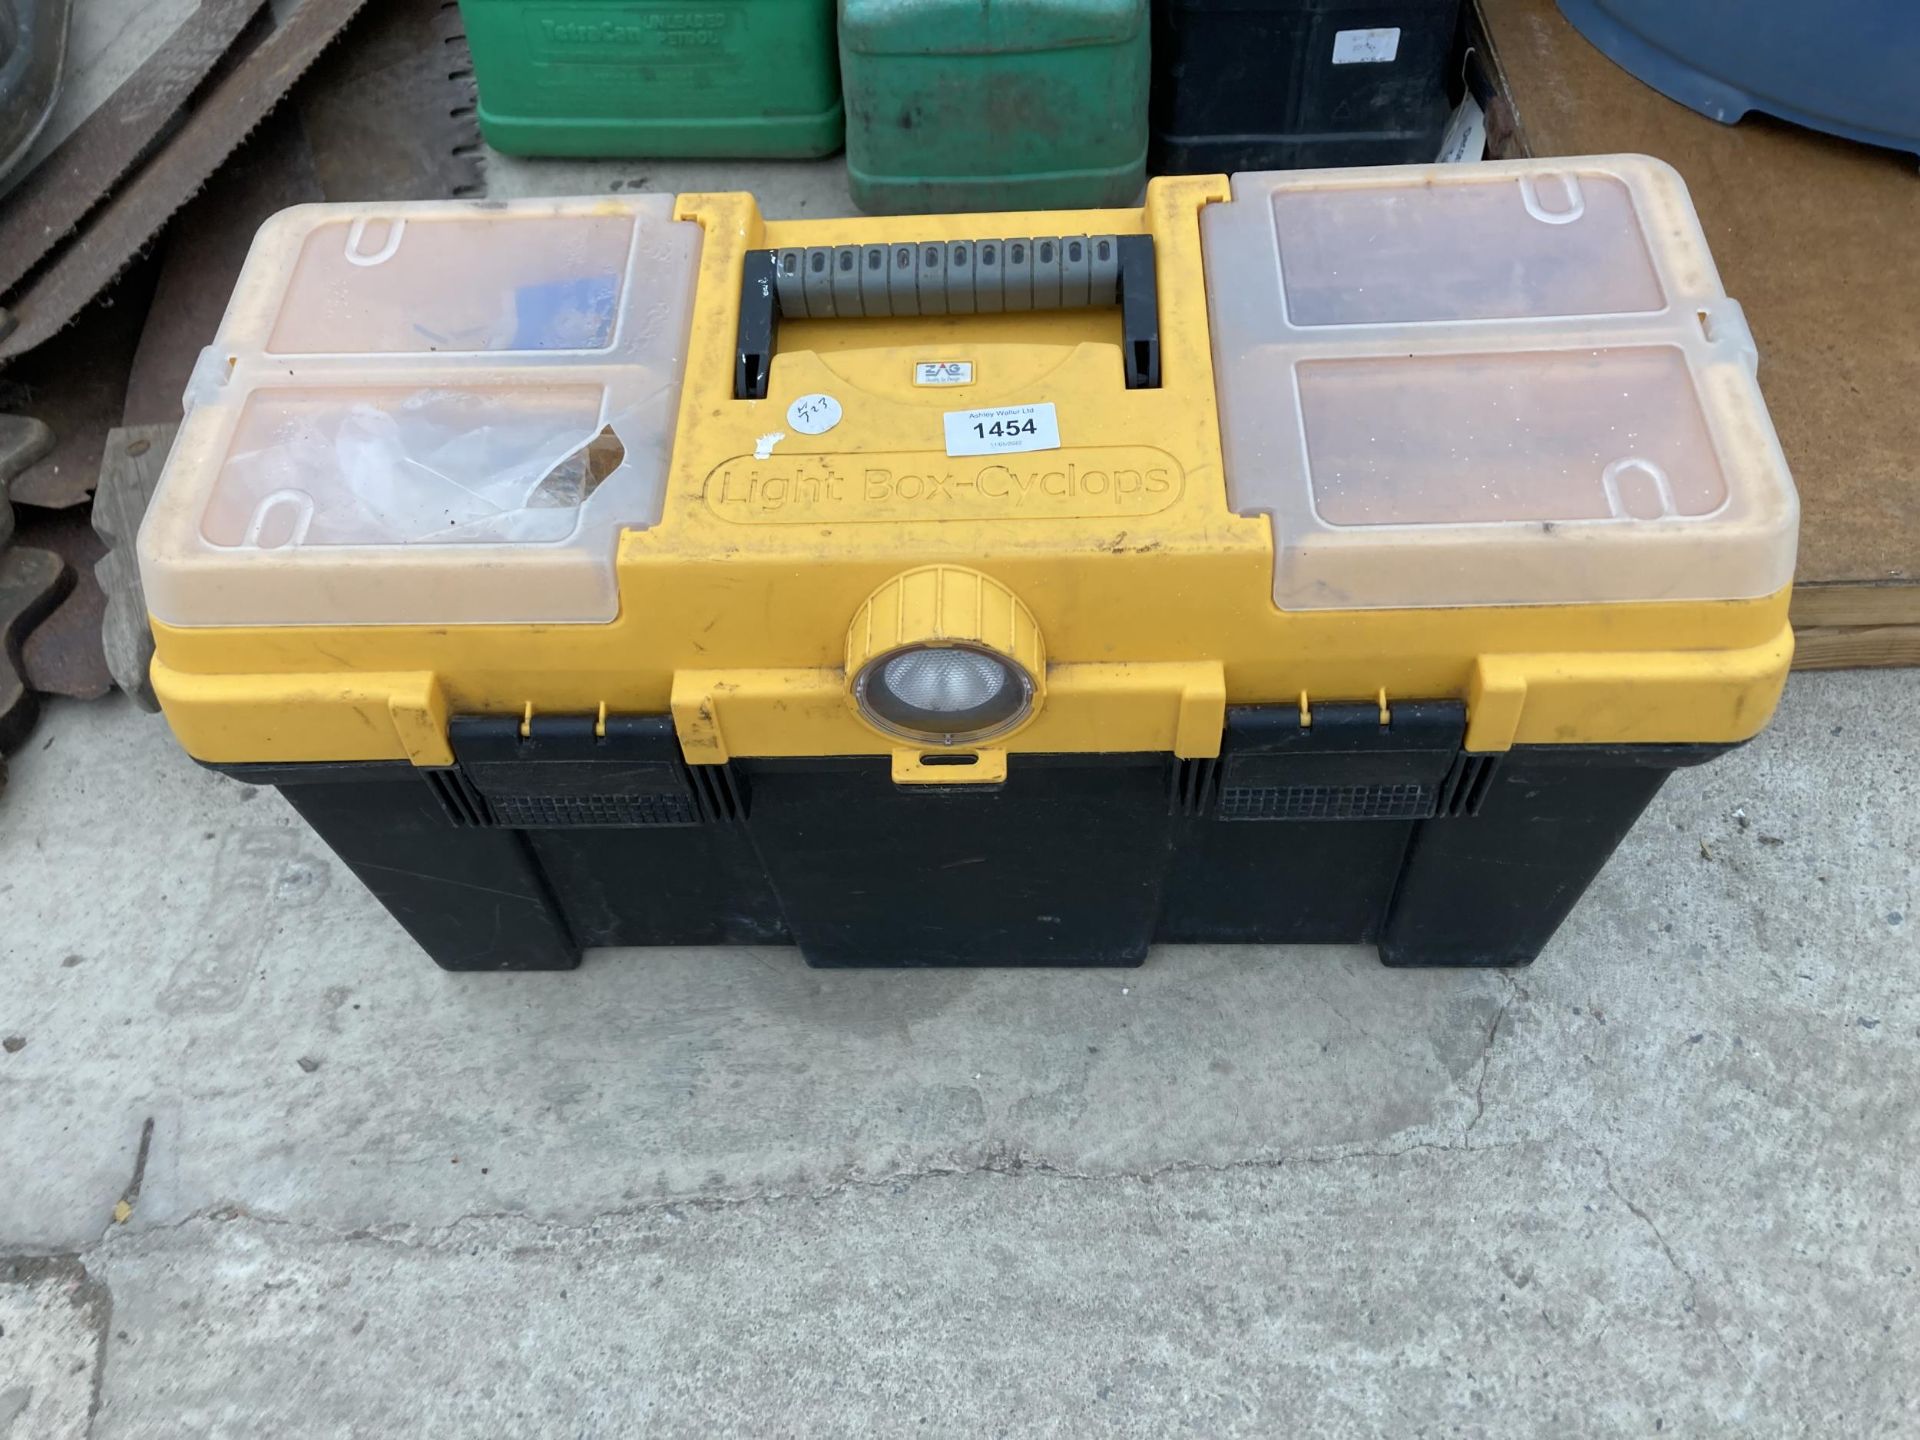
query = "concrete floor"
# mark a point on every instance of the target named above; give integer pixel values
(1664, 1181)
(785, 190)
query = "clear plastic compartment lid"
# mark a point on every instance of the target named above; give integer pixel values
(428, 413)
(1502, 384)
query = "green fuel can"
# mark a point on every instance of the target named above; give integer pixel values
(707, 78)
(957, 105)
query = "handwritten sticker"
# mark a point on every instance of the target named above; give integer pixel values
(814, 414)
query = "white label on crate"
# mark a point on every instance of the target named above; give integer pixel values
(1366, 47)
(1466, 139)
(814, 414)
(943, 372)
(1003, 431)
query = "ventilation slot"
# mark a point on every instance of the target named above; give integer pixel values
(465, 806)
(1194, 785)
(1465, 789)
(561, 811)
(1326, 802)
(718, 792)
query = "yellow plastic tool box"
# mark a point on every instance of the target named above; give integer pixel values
(1315, 556)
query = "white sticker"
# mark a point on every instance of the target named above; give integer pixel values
(814, 414)
(1466, 139)
(1003, 431)
(1365, 47)
(943, 372)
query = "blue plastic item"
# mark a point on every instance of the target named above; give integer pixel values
(1849, 67)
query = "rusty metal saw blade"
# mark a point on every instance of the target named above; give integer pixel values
(390, 112)
(229, 110)
(46, 206)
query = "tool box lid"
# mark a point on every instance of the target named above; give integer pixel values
(1503, 384)
(428, 412)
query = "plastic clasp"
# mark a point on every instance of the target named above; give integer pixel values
(984, 766)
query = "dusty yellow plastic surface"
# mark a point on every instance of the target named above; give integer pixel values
(1152, 600)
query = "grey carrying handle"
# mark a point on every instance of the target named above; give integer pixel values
(949, 277)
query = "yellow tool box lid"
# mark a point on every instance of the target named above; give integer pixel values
(1500, 384)
(1359, 435)
(428, 412)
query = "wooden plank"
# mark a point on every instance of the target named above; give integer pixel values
(1832, 604)
(1815, 238)
(1856, 647)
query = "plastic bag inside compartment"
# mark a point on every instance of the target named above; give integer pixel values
(419, 467)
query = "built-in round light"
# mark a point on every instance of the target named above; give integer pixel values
(944, 681)
(943, 693)
(944, 655)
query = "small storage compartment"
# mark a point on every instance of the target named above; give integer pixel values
(656, 77)
(428, 413)
(994, 104)
(1285, 84)
(1499, 384)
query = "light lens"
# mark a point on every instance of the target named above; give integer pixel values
(944, 681)
(944, 692)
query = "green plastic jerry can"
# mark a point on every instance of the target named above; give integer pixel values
(994, 104)
(656, 77)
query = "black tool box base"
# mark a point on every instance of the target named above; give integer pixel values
(537, 846)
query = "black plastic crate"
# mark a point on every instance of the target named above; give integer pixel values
(535, 846)
(1297, 84)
